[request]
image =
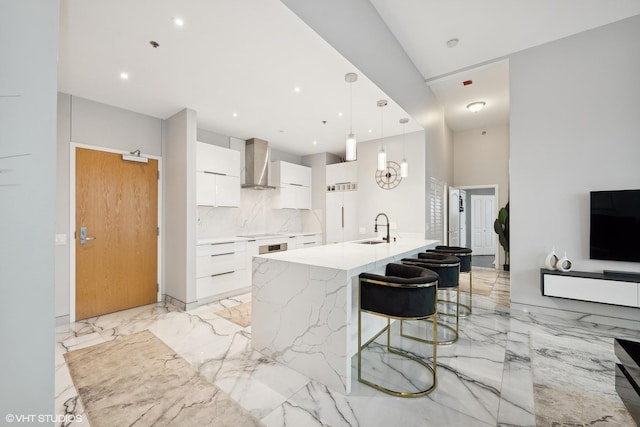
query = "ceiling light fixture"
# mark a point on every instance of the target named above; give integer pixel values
(296, 89)
(124, 75)
(351, 151)
(404, 166)
(235, 114)
(474, 107)
(382, 155)
(179, 22)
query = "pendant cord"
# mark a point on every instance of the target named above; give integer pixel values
(350, 108)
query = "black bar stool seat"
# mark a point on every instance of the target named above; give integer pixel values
(448, 269)
(465, 255)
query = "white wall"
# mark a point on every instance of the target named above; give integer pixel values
(28, 81)
(483, 160)
(88, 122)
(575, 126)
(404, 205)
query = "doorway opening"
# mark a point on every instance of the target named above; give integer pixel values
(482, 202)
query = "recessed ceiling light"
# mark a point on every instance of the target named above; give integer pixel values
(235, 114)
(124, 75)
(296, 89)
(476, 106)
(452, 43)
(340, 114)
(315, 142)
(370, 130)
(179, 22)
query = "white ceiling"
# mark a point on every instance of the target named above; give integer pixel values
(488, 31)
(247, 56)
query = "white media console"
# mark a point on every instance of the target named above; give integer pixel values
(616, 288)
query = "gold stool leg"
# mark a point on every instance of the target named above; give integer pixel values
(468, 307)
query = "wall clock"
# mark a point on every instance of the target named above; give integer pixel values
(390, 177)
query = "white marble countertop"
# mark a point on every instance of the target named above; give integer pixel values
(350, 255)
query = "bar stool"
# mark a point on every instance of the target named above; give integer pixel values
(404, 292)
(465, 267)
(448, 269)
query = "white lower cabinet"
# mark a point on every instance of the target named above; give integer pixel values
(592, 287)
(308, 240)
(221, 270)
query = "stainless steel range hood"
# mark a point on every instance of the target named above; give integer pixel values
(256, 156)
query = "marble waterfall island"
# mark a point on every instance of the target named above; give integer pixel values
(305, 305)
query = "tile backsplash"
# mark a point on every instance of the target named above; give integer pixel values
(255, 216)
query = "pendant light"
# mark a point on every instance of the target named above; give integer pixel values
(351, 153)
(382, 155)
(404, 166)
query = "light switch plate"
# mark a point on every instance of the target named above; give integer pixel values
(61, 239)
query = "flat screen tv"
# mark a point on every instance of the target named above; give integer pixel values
(615, 225)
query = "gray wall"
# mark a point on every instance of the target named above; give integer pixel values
(28, 81)
(88, 122)
(483, 160)
(574, 129)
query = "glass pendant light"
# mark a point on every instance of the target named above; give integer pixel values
(351, 153)
(404, 166)
(382, 155)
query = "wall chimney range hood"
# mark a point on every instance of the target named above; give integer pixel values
(256, 157)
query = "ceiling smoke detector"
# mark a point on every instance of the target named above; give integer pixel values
(452, 43)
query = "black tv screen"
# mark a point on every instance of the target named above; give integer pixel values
(615, 225)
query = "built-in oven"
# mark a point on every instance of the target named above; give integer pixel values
(276, 247)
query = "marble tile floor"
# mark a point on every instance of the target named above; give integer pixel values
(487, 378)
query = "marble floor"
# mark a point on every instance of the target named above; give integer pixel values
(509, 368)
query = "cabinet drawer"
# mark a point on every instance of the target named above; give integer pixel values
(311, 240)
(209, 265)
(588, 289)
(217, 248)
(215, 285)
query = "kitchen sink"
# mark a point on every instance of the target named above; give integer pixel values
(370, 242)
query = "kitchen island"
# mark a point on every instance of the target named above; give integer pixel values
(305, 305)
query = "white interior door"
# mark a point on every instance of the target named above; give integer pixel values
(454, 217)
(483, 238)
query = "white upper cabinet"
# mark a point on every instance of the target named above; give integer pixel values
(220, 160)
(294, 185)
(340, 173)
(217, 176)
(290, 173)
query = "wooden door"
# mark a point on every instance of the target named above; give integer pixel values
(117, 202)
(482, 216)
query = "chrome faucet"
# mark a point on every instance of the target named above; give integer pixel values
(388, 239)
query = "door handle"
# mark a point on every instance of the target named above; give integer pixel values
(83, 236)
(343, 217)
